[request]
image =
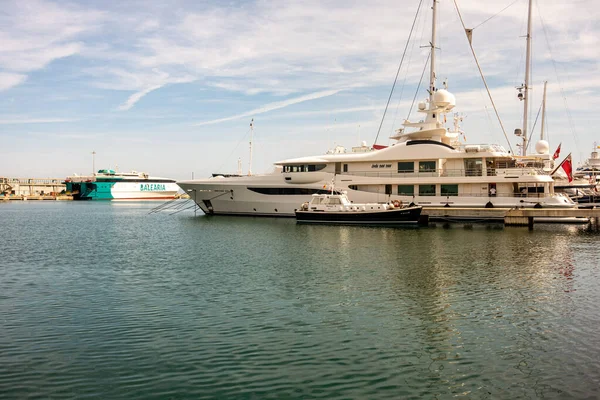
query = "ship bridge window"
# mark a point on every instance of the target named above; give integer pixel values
(303, 167)
(407, 190)
(473, 166)
(449, 190)
(289, 191)
(405, 167)
(426, 166)
(426, 190)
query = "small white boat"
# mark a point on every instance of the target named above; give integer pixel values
(336, 208)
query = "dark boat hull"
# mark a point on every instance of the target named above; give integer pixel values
(402, 216)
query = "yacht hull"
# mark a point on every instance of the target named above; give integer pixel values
(257, 196)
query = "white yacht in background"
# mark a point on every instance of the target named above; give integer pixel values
(590, 168)
(426, 166)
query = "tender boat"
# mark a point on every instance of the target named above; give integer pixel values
(336, 208)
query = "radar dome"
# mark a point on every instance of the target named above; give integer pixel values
(445, 99)
(542, 147)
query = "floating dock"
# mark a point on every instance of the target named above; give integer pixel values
(514, 216)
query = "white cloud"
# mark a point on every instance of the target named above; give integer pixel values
(27, 120)
(273, 106)
(9, 80)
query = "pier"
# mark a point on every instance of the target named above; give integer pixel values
(514, 216)
(32, 189)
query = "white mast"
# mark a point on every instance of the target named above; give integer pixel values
(526, 85)
(251, 133)
(544, 112)
(432, 61)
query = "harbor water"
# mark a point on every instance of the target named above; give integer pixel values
(104, 300)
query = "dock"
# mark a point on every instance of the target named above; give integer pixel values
(33, 189)
(514, 216)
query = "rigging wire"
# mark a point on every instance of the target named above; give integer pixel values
(410, 55)
(495, 15)
(562, 92)
(418, 86)
(533, 127)
(400, 66)
(234, 149)
(483, 78)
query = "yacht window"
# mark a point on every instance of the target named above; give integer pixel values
(345, 167)
(291, 191)
(388, 189)
(426, 166)
(334, 201)
(407, 190)
(473, 166)
(303, 168)
(405, 166)
(449, 190)
(426, 190)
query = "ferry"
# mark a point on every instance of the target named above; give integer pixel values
(107, 184)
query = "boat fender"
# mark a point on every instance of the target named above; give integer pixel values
(397, 203)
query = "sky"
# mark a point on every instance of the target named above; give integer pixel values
(170, 88)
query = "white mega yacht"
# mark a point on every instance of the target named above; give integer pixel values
(426, 166)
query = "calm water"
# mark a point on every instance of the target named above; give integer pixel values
(102, 300)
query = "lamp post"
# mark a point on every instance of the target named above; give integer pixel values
(93, 163)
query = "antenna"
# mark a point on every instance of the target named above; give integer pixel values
(544, 112)
(251, 133)
(526, 84)
(432, 58)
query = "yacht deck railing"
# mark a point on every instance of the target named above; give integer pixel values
(449, 173)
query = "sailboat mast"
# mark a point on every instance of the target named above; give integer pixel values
(544, 112)
(251, 133)
(526, 85)
(432, 60)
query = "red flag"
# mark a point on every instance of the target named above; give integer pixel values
(567, 165)
(557, 152)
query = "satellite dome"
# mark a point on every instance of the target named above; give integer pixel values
(445, 99)
(542, 147)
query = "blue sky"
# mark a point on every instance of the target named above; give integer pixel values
(170, 87)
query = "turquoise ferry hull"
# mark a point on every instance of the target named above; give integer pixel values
(108, 185)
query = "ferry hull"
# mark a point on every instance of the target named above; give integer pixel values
(122, 191)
